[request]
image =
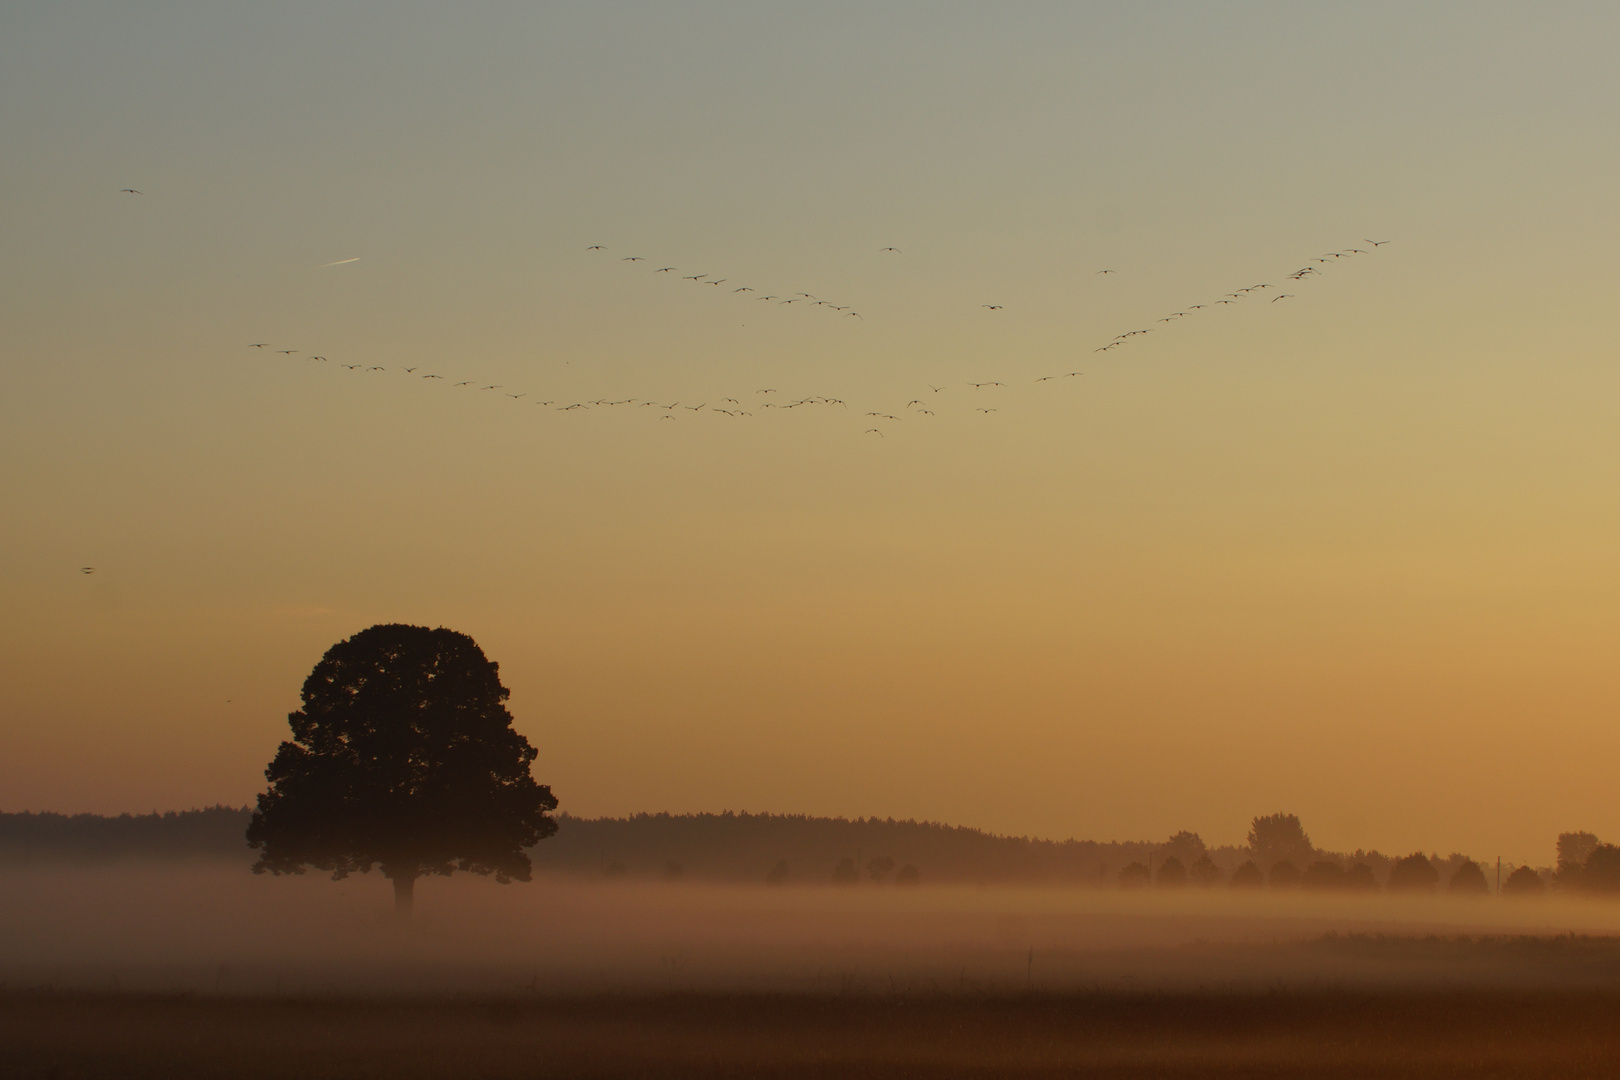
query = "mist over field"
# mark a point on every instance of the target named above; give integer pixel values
(218, 929)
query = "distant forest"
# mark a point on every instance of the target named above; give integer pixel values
(798, 849)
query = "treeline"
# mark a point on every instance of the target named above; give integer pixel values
(215, 832)
(799, 849)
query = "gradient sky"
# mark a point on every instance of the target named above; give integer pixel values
(1351, 555)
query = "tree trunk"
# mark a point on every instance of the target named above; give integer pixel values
(404, 894)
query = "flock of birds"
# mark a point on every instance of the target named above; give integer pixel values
(761, 399)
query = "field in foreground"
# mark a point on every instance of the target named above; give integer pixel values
(1296, 1034)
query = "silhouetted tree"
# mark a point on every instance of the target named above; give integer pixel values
(1360, 878)
(1204, 872)
(1602, 871)
(1277, 838)
(1284, 875)
(878, 869)
(403, 757)
(1323, 875)
(845, 873)
(778, 874)
(1187, 846)
(1524, 882)
(1469, 880)
(1415, 873)
(1171, 875)
(1135, 875)
(1248, 876)
(908, 875)
(1574, 848)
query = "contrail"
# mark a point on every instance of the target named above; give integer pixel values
(340, 262)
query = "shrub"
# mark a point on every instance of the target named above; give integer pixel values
(1323, 875)
(1602, 872)
(1415, 873)
(1360, 878)
(1284, 875)
(1469, 880)
(845, 873)
(1135, 876)
(1205, 872)
(1172, 875)
(1247, 876)
(907, 876)
(1524, 882)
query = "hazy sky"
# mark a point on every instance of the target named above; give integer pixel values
(1350, 555)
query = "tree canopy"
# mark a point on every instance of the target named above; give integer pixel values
(403, 758)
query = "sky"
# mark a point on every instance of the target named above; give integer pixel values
(1348, 554)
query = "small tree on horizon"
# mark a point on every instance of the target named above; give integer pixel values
(1415, 873)
(1524, 882)
(1469, 880)
(1248, 876)
(402, 758)
(1275, 838)
(1171, 874)
(1204, 872)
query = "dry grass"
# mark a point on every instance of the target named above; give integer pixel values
(1296, 1034)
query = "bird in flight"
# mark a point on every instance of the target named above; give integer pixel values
(286, 352)
(467, 383)
(632, 258)
(1107, 271)
(742, 289)
(873, 431)
(594, 247)
(979, 384)
(1046, 378)
(897, 250)
(1283, 296)
(992, 307)
(433, 376)
(695, 277)
(409, 370)
(351, 367)
(259, 345)
(493, 386)
(663, 269)
(87, 569)
(132, 191)
(987, 410)
(1377, 243)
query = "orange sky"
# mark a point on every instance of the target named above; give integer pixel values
(1348, 555)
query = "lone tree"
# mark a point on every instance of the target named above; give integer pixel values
(403, 758)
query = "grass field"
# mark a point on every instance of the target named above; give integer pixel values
(1293, 1034)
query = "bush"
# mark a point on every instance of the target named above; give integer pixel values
(1415, 873)
(1172, 875)
(1360, 878)
(1247, 876)
(907, 876)
(1135, 876)
(1469, 880)
(878, 869)
(1284, 875)
(1323, 875)
(1602, 872)
(845, 873)
(1204, 872)
(1524, 882)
